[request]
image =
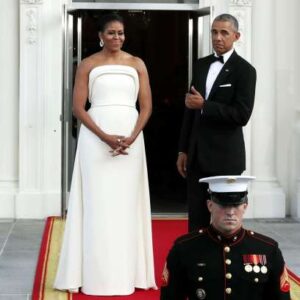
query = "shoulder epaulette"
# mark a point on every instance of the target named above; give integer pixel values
(190, 236)
(261, 237)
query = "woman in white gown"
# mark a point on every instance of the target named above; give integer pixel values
(107, 246)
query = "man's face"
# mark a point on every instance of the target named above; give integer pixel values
(226, 219)
(223, 36)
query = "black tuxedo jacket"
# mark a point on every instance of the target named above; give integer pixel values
(213, 136)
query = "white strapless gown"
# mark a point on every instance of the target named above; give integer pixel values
(107, 245)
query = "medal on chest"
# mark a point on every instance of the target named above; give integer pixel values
(256, 263)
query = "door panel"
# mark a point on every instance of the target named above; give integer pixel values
(67, 149)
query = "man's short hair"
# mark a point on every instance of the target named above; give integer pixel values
(228, 18)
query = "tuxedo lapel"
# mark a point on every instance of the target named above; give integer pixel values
(202, 75)
(225, 71)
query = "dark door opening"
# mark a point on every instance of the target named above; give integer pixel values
(160, 38)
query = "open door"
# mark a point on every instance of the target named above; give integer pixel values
(168, 41)
(72, 57)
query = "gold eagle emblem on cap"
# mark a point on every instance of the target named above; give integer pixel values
(231, 180)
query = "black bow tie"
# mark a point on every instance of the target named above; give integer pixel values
(218, 58)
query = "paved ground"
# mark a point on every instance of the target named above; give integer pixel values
(20, 242)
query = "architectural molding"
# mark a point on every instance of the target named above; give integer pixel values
(8, 193)
(240, 2)
(244, 17)
(32, 1)
(39, 189)
(8, 184)
(241, 16)
(31, 26)
(45, 203)
(31, 100)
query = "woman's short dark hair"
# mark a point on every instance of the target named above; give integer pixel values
(105, 19)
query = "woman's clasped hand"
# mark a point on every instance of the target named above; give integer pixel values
(118, 144)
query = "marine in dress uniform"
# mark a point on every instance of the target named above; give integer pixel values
(224, 260)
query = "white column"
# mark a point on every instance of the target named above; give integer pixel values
(40, 108)
(268, 196)
(287, 97)
(9, 62)
(291, 93)
(295, 168)
(242, 10)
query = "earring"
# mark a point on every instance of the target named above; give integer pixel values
(101, 43)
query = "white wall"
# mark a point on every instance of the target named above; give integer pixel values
(287, 96)
(276, 115)
(9, 93)
(30, 108)
(40, 106)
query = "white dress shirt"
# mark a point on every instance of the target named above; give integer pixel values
(214, 71)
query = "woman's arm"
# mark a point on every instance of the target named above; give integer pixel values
(145, 102)
(80, 95)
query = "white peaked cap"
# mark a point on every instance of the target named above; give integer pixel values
(228, 184)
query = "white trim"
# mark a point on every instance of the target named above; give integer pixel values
(136, 6)
(37, 205)
(34, 2)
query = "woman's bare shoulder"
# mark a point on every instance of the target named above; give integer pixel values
(137, 63)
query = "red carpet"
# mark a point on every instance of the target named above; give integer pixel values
(164, 233)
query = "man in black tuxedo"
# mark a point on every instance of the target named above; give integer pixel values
(218, 105)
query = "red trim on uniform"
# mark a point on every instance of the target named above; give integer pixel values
(260, 238)
(284, 281)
